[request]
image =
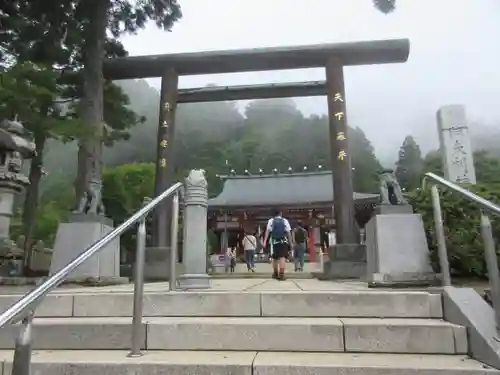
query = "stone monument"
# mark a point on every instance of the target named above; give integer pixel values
(194, 257)
(87, 224)
(15, 147)
(157, 260)
(455, 146)
(397, 250)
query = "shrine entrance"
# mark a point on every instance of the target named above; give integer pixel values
(332, 57)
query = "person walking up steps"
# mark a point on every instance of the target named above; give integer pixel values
(279, 235)
(299, 251)
(250, 247)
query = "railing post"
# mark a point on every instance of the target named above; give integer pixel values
(441, 240)
(174, 233)
(137, 331)
(22, 354)
(491, 265)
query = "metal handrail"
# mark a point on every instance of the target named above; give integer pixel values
(28, 303)
(490, 254)
(484, 203)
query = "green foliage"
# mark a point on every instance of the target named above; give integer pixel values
(125, 187)
(461, 220)
(273, 134)
(31, 93)
(54, 208)
(409, 164)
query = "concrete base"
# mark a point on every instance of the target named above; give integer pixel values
(397, 251)
(342, 270)
(465, 306)
(345, 261)
(157, 266)
(391, 209)
(194, 281)
(403, 280)
(90, 218)
(74, 238)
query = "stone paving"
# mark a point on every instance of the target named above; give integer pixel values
(243, 285)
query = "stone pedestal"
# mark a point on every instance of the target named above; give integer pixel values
(397, 250)
(345, 261)
(194, 256)
(75, 237)
(157, 266)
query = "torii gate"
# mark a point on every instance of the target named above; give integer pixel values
(333, 57)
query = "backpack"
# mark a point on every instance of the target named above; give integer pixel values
(278, 230)
(300, 235)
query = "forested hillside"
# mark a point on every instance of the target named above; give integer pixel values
(269, 134)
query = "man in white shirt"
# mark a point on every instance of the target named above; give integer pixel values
(250, 247)
(279, 234)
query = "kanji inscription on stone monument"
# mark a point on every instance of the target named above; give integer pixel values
(455, 145)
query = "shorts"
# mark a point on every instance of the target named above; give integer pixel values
(280, 250)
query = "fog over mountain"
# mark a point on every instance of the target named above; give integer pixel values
(453, 58)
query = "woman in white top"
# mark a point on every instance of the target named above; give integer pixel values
(250, 246)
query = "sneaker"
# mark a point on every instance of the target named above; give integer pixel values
(281, 277)
(275, 275)
(253, 270)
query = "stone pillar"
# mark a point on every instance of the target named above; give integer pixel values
(6, 203)
(455, 146)
(195, 232)
(341, 158)
(165, 162)
(347, 257)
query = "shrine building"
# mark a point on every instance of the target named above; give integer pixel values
(246, 202)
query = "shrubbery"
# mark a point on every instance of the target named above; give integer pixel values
(461, 219)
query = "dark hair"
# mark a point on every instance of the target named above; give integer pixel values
(299, 223)
(276, 212)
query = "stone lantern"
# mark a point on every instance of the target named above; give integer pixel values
(15, 147)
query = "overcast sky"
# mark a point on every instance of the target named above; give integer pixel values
(454, 56)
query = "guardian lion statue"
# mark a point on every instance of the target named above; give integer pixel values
(390, 190)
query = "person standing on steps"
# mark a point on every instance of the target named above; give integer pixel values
(299, 250)
(279, 235)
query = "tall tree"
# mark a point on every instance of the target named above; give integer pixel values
(41, 48)
(117, 16)
(409, 165)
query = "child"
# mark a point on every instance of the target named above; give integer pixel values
(231, 254)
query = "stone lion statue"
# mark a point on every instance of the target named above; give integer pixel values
(91, 201)
(196, 178)
(390, 190)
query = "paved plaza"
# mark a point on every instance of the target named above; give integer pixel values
(236, 284)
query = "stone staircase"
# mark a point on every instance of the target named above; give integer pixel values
(348, 332)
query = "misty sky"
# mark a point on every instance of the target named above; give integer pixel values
(454, 56)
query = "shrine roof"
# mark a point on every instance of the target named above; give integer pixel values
(294, 189)
(258, 59)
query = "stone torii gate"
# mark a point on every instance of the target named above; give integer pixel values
(333, 57)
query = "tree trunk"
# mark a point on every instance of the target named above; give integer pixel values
(91, 110)
(31, 198)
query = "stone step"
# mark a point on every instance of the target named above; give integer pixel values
(245, 363)
(356, 303)
(249, 333)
